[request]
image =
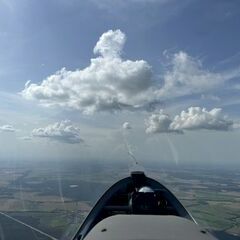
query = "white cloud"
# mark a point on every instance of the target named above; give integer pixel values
(126, 125)
(7, 128)
(62, 131)
(108, 84)
(159, 123)
(195, 118)
(199, 118)
(111, 83)
(110, 44)
(186, 75)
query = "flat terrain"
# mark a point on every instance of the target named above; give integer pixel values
(56, 197)
(212, 196)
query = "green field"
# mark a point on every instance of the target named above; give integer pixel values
(212, 197)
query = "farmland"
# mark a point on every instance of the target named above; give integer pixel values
(56, 197)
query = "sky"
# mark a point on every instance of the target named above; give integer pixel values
(152, 80)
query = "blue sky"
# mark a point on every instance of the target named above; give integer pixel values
(63, 33)
(185, 54)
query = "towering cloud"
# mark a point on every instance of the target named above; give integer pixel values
(195, 118)
(108, 84)
(62, 131)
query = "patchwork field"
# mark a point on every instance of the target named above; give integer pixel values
(55, 198)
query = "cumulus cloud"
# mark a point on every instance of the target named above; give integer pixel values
(7, 128)
(185, 75)
(195, 118)
(126, 125)
(159, 123)
(199, 118)
(62, 131)
(109, 83)
(110, 44)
